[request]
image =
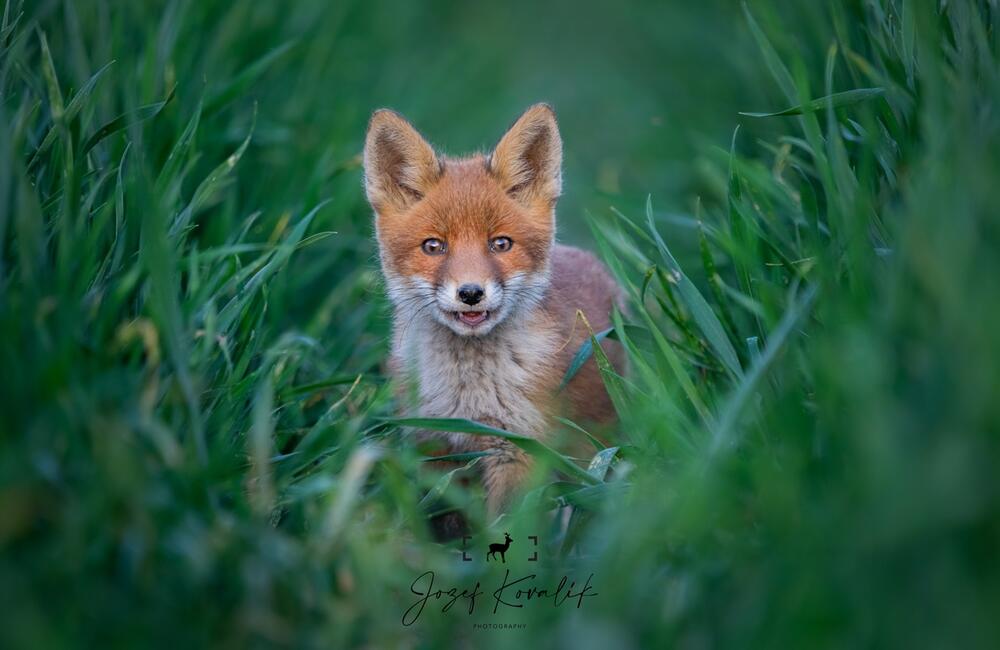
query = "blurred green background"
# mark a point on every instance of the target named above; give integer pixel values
(197, 445)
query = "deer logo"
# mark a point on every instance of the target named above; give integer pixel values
(500, 548)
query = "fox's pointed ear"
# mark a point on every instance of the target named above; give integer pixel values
(400, 166)
(528, 159)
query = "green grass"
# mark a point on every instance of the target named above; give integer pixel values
(198, 443)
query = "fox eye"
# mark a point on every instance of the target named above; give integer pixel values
(434, 247)
(500, 244)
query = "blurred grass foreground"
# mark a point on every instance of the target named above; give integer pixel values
(801, 200)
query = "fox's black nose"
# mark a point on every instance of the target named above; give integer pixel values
(470, 294)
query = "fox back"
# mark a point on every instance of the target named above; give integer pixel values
(485, 302)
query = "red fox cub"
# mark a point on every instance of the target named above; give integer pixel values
(485, 301)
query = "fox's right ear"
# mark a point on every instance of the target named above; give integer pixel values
(400, 166)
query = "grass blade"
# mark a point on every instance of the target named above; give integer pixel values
(525, 443)
(835, 100)
(239, 84)
(702, 313)
(585, 352)
(722, 432)
(126, 120)
(601, 462)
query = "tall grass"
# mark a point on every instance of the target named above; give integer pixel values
(198, 444)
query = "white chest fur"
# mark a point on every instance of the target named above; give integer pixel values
(491, 379)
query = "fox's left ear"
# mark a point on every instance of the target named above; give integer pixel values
(528, 159)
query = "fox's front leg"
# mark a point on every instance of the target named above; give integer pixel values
(505, 471)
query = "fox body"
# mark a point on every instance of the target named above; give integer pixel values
(485, 302)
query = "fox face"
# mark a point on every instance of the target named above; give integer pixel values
(464, 242)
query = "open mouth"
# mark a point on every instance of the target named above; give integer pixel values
(472, 318)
